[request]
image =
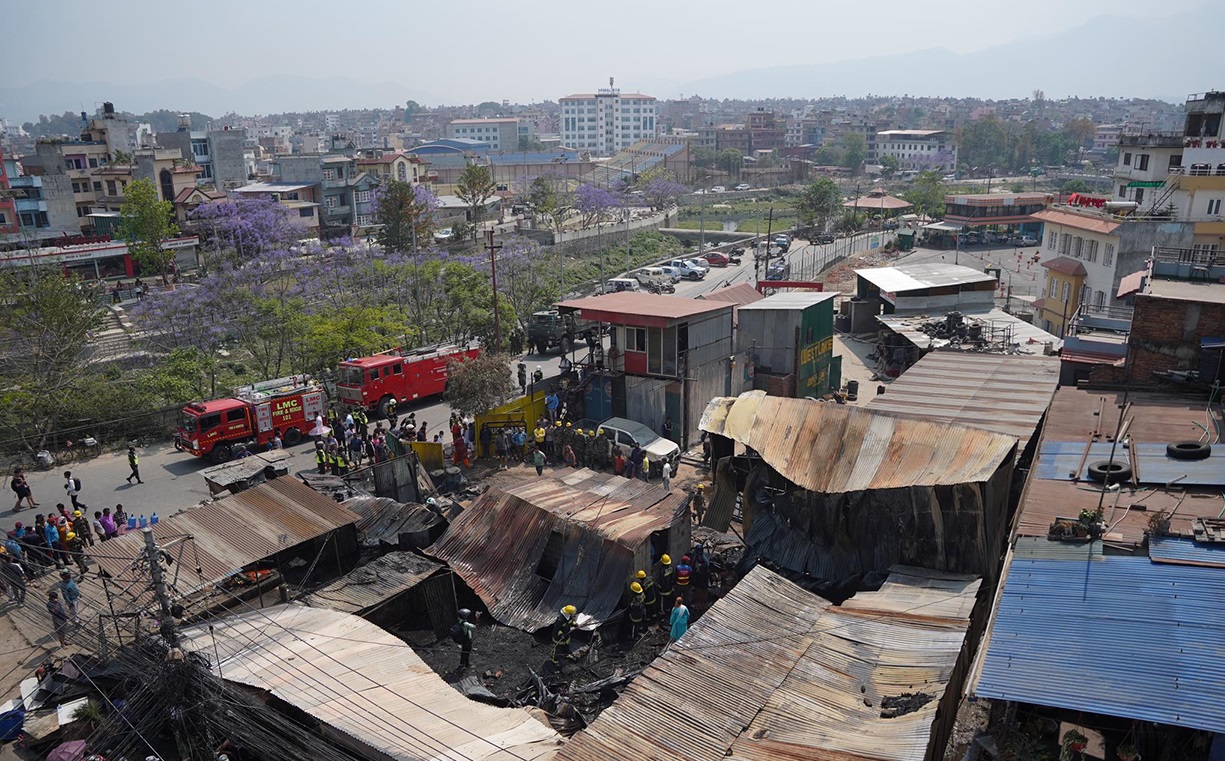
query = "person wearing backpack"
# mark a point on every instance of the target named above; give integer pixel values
(21, 488)
(461, 634)
(73, 487)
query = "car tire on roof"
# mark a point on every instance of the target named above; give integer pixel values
(1189, 450)
(1118, 472)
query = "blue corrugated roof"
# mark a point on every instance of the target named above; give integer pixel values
(1057, 459)
(1165, 549)
(1121, 636)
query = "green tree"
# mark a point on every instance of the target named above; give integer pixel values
(45, 325)
(985, 143)
(855, 149)
(828, 155)
(927, 194)
(475, 188)
(146, 223)
(530, 143)
(817, 203)
(1075, 186)
(705, 157)
(410, 108)
(404, 215)
(479, 384)
(730, 160)
(488, 108)
(889, 165)
(546, 203)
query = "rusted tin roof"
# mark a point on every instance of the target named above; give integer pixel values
(999, 392)
(371, 585)
(383, 520)
(832, 448)
(590, 527)
(1157, 419)
(233, 532)
(367, 684)
(772, 671)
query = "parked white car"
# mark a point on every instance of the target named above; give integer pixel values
(687, 269)
(628, 433)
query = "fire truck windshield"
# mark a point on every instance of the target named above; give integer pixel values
(349, 375)
(187, 423)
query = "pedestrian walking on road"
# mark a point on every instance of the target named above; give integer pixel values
(538, 461)
(666, 472)
(134, 464)
(21, 488)
(73, 487)
(59, 618)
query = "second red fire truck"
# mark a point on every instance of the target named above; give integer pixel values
(371, 382)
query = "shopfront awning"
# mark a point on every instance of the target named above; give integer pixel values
(946, 227)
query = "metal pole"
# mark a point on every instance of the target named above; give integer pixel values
(159, 589)
(493, 269)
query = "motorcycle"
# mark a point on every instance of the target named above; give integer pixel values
(661, 288)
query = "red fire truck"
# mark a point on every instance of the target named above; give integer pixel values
(289, 405)
(370, 382)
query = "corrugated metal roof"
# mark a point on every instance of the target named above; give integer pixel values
(370, 585)
(1120, 636)
(383, 519)
(233, 532)
(626, 307)
(1165, 549)
(919, 277)
(497, 543)
(772, 671)
(1000, 392)
(1157, 418)
(791, 300)
(1025, 337)
(739, 294)
(366, 683)
(832, 448)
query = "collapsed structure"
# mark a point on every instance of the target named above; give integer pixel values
(835, 492)
(530, 549)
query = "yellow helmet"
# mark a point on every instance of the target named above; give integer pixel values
(569, 610)
(636, 588)
(642, 574)
(601, 431)
(568, 424)
(71, 536)
(76, 514)
(591, 433)
(701, 487)
(666, 560)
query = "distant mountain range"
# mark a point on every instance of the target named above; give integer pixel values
(1164, 58)
(272, 94)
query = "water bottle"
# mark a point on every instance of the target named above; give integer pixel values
(153, 519)
(144, 522)
(131, 523)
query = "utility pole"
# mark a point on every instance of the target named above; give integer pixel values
(493, 269)
(159, 588)
(702, 224)
(769, 229)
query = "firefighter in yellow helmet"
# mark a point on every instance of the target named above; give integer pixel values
(649, 595)
(637, 611)
(561, 633)
(665, 583)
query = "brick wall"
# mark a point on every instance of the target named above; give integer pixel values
(1166, 334)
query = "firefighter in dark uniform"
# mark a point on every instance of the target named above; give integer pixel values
(637, 611)
(665, 583)
(561, 633)
(362, 422)
(649, 596)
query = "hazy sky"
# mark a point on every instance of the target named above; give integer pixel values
(525, 50)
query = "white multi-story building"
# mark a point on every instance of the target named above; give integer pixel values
(606, 121)
(502, 134)
(921, 149)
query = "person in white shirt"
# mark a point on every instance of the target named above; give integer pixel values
(667, 474)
